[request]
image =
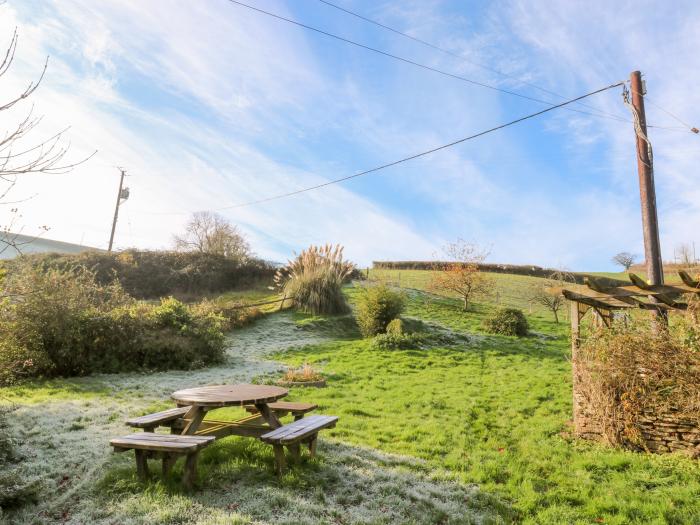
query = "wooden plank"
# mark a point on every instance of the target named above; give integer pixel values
(161, 442)
(285, 407)
(150, 420)
(229, 395)
(300, 429)
(607, 304)
(687, 280)
(174, 438)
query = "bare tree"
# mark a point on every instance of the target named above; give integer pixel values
(625, 259)
(685, 255)
(548, 293)
(462, 276)
(208, 232)
(17, 157)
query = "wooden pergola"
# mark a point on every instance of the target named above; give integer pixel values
(605, 297)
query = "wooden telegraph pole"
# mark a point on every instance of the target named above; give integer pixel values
(647, 192)
(121, 194)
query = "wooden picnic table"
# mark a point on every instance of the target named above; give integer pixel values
(202, 400)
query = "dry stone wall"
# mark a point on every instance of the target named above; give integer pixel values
(659, 431)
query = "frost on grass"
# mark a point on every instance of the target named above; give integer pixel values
(345, 485)
(64, 442)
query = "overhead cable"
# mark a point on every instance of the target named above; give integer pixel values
(404, 159)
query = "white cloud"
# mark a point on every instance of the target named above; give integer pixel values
(177, 160)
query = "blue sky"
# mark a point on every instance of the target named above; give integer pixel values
(207, 104)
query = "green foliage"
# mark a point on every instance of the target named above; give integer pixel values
(493, 412)
(395, 327)
(376, 307)
(507, 321)
(397, 341)
(152, 274)
(68, 324)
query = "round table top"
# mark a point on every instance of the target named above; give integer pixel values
(229, 395)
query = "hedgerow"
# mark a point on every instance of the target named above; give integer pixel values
(153, 274)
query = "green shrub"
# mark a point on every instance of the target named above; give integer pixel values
(377, 306)
(67, 324)
(315, 278)
(395, 327)
(507, 321)
(394, 341)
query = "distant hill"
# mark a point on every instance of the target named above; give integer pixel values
(30, 244)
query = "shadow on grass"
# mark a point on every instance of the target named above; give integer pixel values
(343, 484)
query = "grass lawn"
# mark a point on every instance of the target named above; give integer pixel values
(494, 411)
(473, 432)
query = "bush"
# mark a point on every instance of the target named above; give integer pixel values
(394, 341)
(395, 327)
(152, 274)
(67, 324)
(315, 278)
(507, 321)
(377, 306)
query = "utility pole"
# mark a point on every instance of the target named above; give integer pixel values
(647, 192)
(122, 194)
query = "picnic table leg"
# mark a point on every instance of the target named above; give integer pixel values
(194, 418)
(190, 470)
(279, 459)
(312, 445)
(295, 451)
(168, 461)
(268, 415)
(141, 464)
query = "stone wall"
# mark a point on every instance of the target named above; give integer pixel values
(660, 431)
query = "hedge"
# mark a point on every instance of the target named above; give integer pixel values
(152, 274)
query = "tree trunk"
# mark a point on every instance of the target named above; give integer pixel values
(466, 303)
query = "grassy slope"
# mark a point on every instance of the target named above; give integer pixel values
(495, 412)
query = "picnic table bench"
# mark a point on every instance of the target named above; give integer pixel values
(149, 422)
(282, 408)
(291, 435)
(190, 432)
(165, 446)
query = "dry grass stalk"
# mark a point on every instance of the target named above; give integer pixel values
(305, 374)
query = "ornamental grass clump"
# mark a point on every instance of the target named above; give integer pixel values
(305, 374)
(314, 280)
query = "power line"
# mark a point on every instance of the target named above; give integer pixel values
(459, 56)
(405, 159)
(686, 126)
(427, 152)
(418, 64)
